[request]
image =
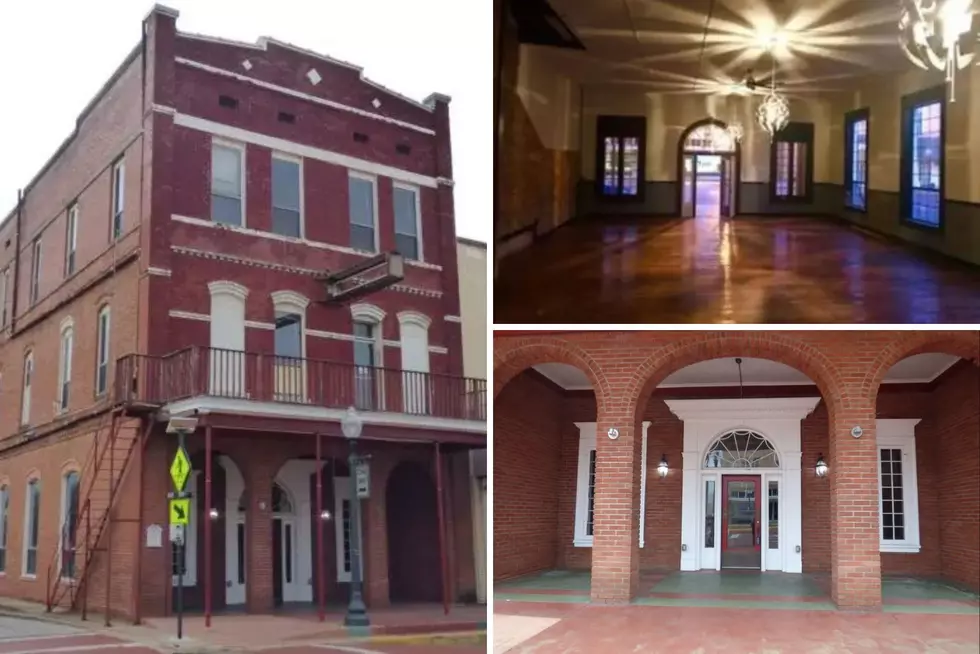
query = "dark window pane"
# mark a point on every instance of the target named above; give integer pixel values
(773, 515)
(241, 553)
(407, 246)
(288, 338)
(591, 515)
(227, 211)
(285, 222)
(362, 238)
(709, 513)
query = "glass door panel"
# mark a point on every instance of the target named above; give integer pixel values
(740, 531)
(687, 187)
(727, 197)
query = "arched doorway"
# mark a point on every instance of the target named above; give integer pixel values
(414, 569)
(708, 170)
(285, 583)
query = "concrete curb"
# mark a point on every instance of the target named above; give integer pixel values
(435, 638)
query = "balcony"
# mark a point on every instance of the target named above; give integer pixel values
(232, 374)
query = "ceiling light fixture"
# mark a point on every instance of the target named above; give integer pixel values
(773, 113)
(931, 33)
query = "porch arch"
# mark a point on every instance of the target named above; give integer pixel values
(508, 363)
(958, 343)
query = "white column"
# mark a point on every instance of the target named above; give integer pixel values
(690, 550)
(790, 513)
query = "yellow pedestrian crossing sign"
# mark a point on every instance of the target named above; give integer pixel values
(180, 470)
(180, 511)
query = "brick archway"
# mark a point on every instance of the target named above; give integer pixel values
(517, 356)
(962, 344)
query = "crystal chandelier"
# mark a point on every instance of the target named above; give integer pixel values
(773, 113)
(931, 35)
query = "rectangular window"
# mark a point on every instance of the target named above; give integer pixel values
(241, 553)
(286, 189)
(71, 239)
(69, 521)
(35, 271)
(363, 216)
(227, 171)
(709, 513)
(774, 515)
(791, 164)
(25, 405)
(31, 526)
(366, 379)
(118, 186)
(4, 512)
(4, 283)
(407, 240)
(923, 151)
(289, 335)
(102, 358)
(620, 156)
(898, 496)
(892, 494)
(856, 160)
(64, 377)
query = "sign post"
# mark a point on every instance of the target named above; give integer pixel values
(180, 513)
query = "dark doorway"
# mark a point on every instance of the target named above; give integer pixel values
(741, 532)
(277, 561)
(414, 570)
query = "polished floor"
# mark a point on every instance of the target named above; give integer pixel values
(741, 270)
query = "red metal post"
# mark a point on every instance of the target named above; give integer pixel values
(88, 548)
(320, 572)
(207, 526)
(111, 444)
(138, 575)
(440, 507)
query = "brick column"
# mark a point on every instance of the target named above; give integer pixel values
(615, 548)
(259, 475)
(855, 556)
(375, 546)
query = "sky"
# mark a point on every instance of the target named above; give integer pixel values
(57, 54)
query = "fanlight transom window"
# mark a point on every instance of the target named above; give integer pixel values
(741, 448)
(708, 138)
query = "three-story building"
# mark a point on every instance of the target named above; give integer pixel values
(171, 259)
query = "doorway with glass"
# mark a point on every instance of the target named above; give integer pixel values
(708, 171)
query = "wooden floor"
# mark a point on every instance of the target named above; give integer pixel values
(741, 270)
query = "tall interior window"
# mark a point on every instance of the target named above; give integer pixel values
(102, 353)
(363, 223)
(791, 163)
(64, 369)
(25, 402)
(71, 239)
(32, 517)
(36, 271)
(118, 187)
(407, 222)
(226, 184)
(4, 513)
(286, 197)
(923, 149)
(856, 160)
(69, 522)
(620, 154)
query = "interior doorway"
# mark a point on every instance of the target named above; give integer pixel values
(741, 532)
(708, 170)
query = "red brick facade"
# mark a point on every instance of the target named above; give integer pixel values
(158, 117)
(840, 513)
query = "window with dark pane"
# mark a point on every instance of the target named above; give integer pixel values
(362, 213)
(406, 222)
(892, 499)
(70, 524)
(923, 151)
(288, 336)
(709, 513)
(791, 163)
(285, 197)
(856, 159)
(620, 156)
(774, 515)
(241, 553)
(591, 515)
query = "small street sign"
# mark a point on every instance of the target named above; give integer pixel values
(363, 480)
(180, 469)
(180, 511)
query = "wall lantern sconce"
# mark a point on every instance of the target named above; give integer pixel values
(821, 468)
(662, 467)
(324, 515)
(213, 514)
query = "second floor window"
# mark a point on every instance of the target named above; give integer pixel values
(64, 369)
(71, 239)
(363, 216)
(286, 215)
(36, 272)
(226, 184)
(4, 282)
(407, 240)
(102, 356)
(25, 403)
(118, 189)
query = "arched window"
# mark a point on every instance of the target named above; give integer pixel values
(25, 402)
(280, 500)
(64, 367)
(708, 137)
(741, 448)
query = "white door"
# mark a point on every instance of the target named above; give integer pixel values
(236, 566)
(415, 367)
(290, 577)
(342, 525)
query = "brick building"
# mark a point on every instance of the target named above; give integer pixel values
(170, 259)
(846, 456)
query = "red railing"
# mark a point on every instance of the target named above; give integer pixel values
(268, 378)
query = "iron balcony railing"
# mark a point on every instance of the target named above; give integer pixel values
(197, 371)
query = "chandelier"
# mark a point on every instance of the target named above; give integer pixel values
(773, 113)
(931, 35)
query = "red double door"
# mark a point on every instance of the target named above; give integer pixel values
(741, 520)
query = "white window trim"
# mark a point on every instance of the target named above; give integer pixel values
(102, 357)
(35, 289)
(586, 444)
(235, 145)
(64, 364)
(418, 213)
(900, 434)
(190, 533)
(374, 189)
(26, 388)
(281, 156)
(71, 241)
(118, 198)
(27, 530)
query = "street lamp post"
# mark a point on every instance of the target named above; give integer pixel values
(357, 616)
